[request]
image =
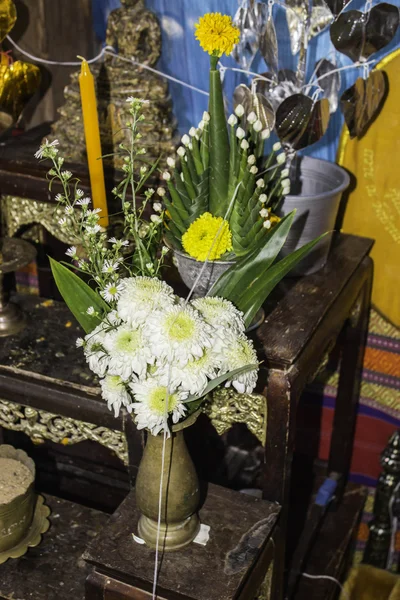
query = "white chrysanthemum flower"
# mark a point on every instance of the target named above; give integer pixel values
(115, 394)
(129, 352)
(238, 352)
(220, 313)
(112, 291)
(178, 333)
(95, 353)
(150, 406)
(239, 110)
(141, 296)
(192, 377)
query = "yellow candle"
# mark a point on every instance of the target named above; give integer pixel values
(92, 137)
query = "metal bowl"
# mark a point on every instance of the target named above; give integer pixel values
(16, 516)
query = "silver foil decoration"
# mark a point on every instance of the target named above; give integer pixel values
(297, 19)
(246, 20)
(328, 79)
(269, 45)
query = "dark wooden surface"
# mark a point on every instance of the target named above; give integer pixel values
(54, 570)
(240, 527)
(298, 306)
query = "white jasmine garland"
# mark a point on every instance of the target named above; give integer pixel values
(285, 172)
(285, 182)
(260, 183)
(265, 134)
(193, 132)
(264, 213)
(185, 140)
(161, 192)
(156, 219)
(254, 170)
(232, 121)
(263, 198)
(244, 144)
(206, 117)
(267, 224)
(201, 125)
(239, 110)
(157, 207)
(181, 151)
(281, 158)
(240, 133)
(257, 126)
(171, 162)
(252, 117)
(277, 146)
(251, 160)
(166, 176)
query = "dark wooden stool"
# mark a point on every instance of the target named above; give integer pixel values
(232, 565)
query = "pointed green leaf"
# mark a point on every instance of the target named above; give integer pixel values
(221, 379)
(78, 296)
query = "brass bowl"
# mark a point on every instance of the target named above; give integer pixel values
(16, 516)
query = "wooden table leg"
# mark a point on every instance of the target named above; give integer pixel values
(278, 462)
(354, 339)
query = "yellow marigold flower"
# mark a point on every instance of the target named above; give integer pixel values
(207, 238)
(216, 33)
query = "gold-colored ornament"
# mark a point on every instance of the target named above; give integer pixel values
(18, 82)
(8, 16)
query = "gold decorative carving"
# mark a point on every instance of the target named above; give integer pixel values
(20, 212)
(228, 407)
(40, 425)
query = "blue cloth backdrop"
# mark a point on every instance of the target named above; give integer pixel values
(183, 58)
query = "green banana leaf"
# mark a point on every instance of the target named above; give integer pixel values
(219, 147)
(237, 279)
(78, 296)
(221, 379)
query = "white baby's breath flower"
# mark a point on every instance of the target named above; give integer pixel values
(253, 170)
(110, 266)
(166, 176)
(260, 183)
(171, 162)
(239, 110)
(240, 133)
(185, 140)
(178, 334)
(244, 144)
(239, 352)
(71, 252)
(251, 160)
(277, 146)
(153, 401)
(142, 296)
(157, 207)
(181, 151)
(62, 221)
(206, 117)
(79, 193)
(267, 224)
(111, 292)
(164, 250)
(252, 117)
(257, 126)
(83, 202)
(44, 149)
(114, 392)
(59, 198)
(90, 310)
(265, 134)
(69, 210)
(232, 121)
(93, 229)
(161, 191)
(129, 352)
(281, 158)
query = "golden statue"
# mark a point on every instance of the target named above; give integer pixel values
(134, 33)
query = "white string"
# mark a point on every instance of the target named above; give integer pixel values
(355, 65)
(345, 594)
(54, 62)
(111, 52)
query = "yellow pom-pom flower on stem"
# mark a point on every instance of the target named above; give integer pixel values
(207, 238)
(217, 34)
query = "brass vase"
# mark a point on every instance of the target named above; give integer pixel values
(180, 491)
